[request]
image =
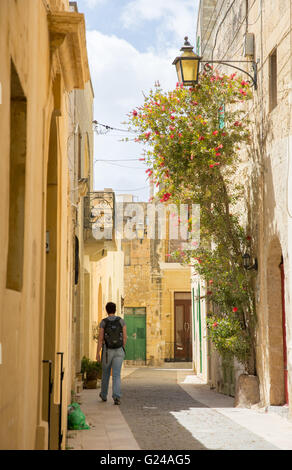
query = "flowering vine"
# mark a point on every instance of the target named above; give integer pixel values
(193, 137)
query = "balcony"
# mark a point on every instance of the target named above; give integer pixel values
(99, 224)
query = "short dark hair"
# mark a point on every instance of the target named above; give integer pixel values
(110, 307)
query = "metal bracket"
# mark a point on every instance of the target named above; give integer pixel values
(229, 63)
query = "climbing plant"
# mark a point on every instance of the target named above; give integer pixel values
(192, 139)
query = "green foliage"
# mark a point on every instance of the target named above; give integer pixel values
(229, 337)
(90, 368)
(193, 138)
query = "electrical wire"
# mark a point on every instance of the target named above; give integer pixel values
(122, 166)
(117, 160)
(114, 128)
(130, 190)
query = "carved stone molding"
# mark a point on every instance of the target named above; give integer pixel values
(68, 40)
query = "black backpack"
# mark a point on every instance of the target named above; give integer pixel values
(113, 333)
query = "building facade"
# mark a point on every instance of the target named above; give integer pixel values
(260, 31)
(43, 57)
(157, 299)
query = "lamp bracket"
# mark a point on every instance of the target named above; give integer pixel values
(229, 64)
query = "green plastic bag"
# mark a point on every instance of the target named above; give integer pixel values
(76, 418)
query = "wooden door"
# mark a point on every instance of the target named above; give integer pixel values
(135, 319)
(182, 327)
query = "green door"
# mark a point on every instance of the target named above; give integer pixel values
(135, 319)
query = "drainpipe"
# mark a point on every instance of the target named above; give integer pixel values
(61, 401)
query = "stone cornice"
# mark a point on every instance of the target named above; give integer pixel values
(68, 40)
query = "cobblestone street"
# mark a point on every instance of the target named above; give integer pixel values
(170, 409)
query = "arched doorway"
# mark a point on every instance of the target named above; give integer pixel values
(276, 325)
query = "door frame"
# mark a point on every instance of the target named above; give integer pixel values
(188, 347)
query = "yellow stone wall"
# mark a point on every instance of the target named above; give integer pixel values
(35, 319)
(150, 282)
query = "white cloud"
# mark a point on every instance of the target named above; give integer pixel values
(93, 3)
(120, 73)
(175, 16)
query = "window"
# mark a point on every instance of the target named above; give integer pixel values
(273, 80)
(18, 118)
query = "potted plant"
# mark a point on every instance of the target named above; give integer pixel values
(91, 372)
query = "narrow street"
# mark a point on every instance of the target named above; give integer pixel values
(170, 409)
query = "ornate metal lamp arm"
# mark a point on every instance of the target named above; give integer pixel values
(229, 62)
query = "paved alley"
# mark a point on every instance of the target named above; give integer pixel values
(170, 409)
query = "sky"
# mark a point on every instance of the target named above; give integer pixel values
(131, 44)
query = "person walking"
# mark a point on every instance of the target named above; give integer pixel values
(111, 341)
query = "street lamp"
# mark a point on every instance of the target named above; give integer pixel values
(246, 262)
(188, 65)
(140, 231)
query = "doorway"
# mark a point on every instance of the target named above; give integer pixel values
(278, 381)
(182, 327)
(135, 319)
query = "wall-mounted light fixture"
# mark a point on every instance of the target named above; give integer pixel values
(188, 66)
(140, 231)
(247, 264)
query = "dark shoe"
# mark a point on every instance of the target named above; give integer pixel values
(117, 401)
(103, 399)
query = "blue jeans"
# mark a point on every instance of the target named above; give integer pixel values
(112, 359)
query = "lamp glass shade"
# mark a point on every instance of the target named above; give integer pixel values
(246, 260)
(140, 231)
(187, 67)
(190, 67)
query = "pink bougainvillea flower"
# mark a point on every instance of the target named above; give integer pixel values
(171, 136)
(172, 128)
(141, 159)
(147, 135)
(244, 83)
(211, 166)
(243, 92)
(224, 134)
(215, 324)
(168, 254)
(237, 124)
(217, 163)
(211, 281)
(209, 292)
(219, 147)
(218, 154)
(163, 108)
(180, 134)
(171, 117)
(165, 197)
(201, 137)
(235, 309)
(195, 103)
(215, 132)
(135, 113)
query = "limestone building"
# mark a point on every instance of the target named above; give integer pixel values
(260, 31)
(157, 299)
(43, 58)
